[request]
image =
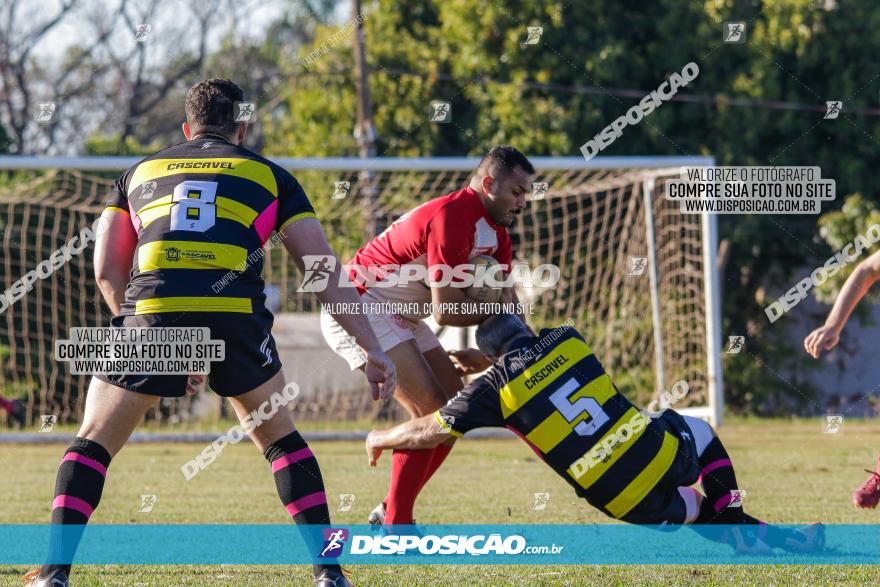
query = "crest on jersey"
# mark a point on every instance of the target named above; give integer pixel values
(446, 422)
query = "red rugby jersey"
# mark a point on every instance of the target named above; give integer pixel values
(448, 230)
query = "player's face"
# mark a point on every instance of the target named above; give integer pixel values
(508, 192)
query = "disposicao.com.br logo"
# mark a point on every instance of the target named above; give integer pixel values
(450, 544)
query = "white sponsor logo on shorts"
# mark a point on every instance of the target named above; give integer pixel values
(267, 352)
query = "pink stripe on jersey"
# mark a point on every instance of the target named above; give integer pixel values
(306, 502)
(73, 503)
(84, 460)
(291, 458)
(722, 503)
(527, 441)
(135, 221)
(265, 222)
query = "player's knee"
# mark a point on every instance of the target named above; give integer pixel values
(702, 431)
(693, 499)
(288, 444)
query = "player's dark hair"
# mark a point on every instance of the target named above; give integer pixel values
(497, 333)
(503, 159)
(210, 106)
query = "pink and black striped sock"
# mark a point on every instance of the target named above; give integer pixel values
(718, 480)
(300, 486)
(78, 489)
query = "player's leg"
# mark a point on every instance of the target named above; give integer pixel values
(418, 390)
(295, 469)
(15, 412)
(868, 494)
(718, 479)
(111, 413)
(420, 393)
(451, 384)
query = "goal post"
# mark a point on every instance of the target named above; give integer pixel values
(651, 324)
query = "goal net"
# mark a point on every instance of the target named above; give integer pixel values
(637, 275)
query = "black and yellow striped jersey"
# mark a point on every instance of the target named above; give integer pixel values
(203, 210)
(555, 395)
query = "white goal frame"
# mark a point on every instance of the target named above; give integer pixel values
(658, 167)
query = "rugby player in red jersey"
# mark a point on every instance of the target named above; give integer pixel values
(448, 231)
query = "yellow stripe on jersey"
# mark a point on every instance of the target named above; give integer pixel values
(189, 255)
(296, 217)
(117, 210)
(646, 480)
(255, 171)
(193, 304)
(555, 428)
(515, 394)
(235, 210)
(587, 470)
(154, 210)
(445, 427)
(226, 208)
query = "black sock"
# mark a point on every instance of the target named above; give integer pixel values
(78, 488)
(719, 480)
(300, 487)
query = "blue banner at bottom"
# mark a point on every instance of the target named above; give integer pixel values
(614, 544)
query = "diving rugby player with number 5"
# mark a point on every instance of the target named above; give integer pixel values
(179, 224)
(553, 393)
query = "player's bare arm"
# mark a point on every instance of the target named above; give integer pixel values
(453, 308)
(306, 237)
(115, 244)
(470, 361)
(854, 289)
(417, 433)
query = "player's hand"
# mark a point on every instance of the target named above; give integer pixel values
(382, 375)
(469, 361)
(824, 337)
(194, 383)
(373, 453)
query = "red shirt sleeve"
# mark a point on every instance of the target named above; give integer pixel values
(449, 241)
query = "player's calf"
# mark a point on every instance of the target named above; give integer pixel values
(110, 416)
(301, 488)
(723, 506)
(420, 393)
(78, 489)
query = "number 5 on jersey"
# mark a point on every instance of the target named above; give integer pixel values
(572, 410)
(194, 206)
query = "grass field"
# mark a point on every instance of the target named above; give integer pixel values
(791, 471)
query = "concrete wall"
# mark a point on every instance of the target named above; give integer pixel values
(850, 370)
